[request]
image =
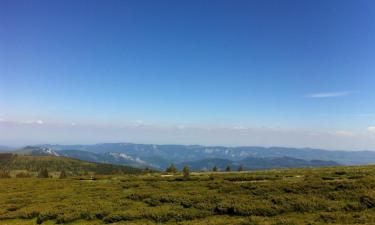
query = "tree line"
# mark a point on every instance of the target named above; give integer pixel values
(173, 169)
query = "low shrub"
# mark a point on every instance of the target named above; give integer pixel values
(23, 175)
(4, 174)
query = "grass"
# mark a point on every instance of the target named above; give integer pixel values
(338, 195)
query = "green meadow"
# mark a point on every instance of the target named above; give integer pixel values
(337, 195)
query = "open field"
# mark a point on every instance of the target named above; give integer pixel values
(338, 195)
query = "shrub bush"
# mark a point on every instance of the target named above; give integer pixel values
(23, 175)
(4, 174)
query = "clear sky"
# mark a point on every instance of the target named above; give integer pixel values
(290, 73)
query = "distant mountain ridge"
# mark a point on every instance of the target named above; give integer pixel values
(253, 163)
(160, 156)
(197, 152)
(4, 148)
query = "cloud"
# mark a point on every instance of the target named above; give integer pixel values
(329, 94)
(343, 133)
(39, 122)
(60, 133)
(181, 127)
(239, 128)
(371, 129)
(138, 123)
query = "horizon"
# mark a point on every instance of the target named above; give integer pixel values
(246, 73)
(15, 147)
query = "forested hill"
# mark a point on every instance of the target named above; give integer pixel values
(252, 163)
(9, 161)
(161, 156)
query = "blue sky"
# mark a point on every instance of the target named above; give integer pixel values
(269, 69)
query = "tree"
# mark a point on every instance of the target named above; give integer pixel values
(228, 169)
(63, 175)
(240, 168)
(147, 170)
(171, 169)
(43, 173)
(214, 169)
(186, 171)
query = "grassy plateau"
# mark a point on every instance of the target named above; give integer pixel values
(336, 195)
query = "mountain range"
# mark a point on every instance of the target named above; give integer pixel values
(253, 163)
(202, 157)
(4, 148)
(198, 152)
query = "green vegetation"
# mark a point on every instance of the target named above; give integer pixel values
(43, 173)
(186, 172)
(337, 195)
(171, 169)
(63, 175)
(42, 165)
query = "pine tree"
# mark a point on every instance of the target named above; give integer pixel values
(214, 169)
(186, 171)
(43, 173)
(240, 168)
(228, 169)
(63, 175)
(171, 169)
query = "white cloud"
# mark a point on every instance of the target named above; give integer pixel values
(138, 123)
(343, 133)
(239, 128)
(180, 127)
(371, 129)
(51, 132)
(39, 122)
(329, 94)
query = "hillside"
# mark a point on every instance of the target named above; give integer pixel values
(30, 163)
(253, 163)
(36, 151)
(107, 157)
